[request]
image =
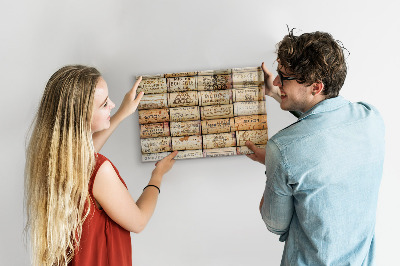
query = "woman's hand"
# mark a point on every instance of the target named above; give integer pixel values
(131, 101)
(128, 107)
(270, 89)
(164, 165)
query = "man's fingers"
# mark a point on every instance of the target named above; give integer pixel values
(263, 90)
(251, 156)
(265, 69)
(251, 145)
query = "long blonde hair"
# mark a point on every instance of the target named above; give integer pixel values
(59, 161)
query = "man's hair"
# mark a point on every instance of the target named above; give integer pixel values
(314, 57)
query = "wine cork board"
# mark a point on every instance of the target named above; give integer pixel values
(202, 114)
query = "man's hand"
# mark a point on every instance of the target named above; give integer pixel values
(258, 155)
(270, 89)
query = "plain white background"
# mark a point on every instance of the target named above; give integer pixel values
(208, 208)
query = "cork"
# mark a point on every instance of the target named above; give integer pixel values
(249, 108)
(186, 113)
(217, 126)
(216, 111)
(245, 77)
(186, 143)
(185, 128)
(181, 74)
(250, 122)
(219, 140)
(259, 136)
(154, 130)
(185, 98)
(248, 94)
(189, 154)
(216, 97)
(214, 82)
(152, 85)
(151, 157)
(176, 84)
(153, 145)
(246, 150)
(153, 116)
(220, 152)
(153, 101)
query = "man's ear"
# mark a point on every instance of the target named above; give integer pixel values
(317, 88)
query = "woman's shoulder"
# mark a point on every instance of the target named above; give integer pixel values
(105, 167)
(100, 158)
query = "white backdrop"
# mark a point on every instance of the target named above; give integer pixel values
(208, 208)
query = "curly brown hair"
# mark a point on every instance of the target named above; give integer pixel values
(314, 57)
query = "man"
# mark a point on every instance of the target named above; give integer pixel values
(323, 171)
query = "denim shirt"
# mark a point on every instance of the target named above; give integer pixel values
(323, 176)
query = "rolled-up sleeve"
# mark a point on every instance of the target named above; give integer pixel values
(277, 209)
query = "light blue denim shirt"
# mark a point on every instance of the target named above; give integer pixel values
(323, 176)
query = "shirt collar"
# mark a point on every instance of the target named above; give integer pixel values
(325, 106)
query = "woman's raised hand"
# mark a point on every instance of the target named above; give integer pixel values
(131, 100)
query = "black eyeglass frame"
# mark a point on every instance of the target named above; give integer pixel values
(282, 78)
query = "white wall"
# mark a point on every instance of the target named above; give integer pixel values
(208, 208)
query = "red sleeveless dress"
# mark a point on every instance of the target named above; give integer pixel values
(103, 241)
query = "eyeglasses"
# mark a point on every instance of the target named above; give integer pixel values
(282, 78)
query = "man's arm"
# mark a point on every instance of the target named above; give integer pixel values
(276, 206)
(128, 106)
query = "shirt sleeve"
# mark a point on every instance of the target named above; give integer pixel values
(277, 209)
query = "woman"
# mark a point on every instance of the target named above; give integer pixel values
(78, 207)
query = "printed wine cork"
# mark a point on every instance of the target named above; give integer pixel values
(189, 154)
(216, 111)
(215, 97)
(244, 77)
(214, 82)
(185, 128)
(220, 140)
(180, 74)
(153, 145)
(246, 150)
(187, 113)
(217, 126)
(250, 122)
(220, 152)
(153, 101)
(182, 84)
(152, 85)
(249, 94)
(184, 98)
(215, 72)
(249, 108)
(153, 116)
(154, 130)
(186, 143)
(259, 136)
(151, 157)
